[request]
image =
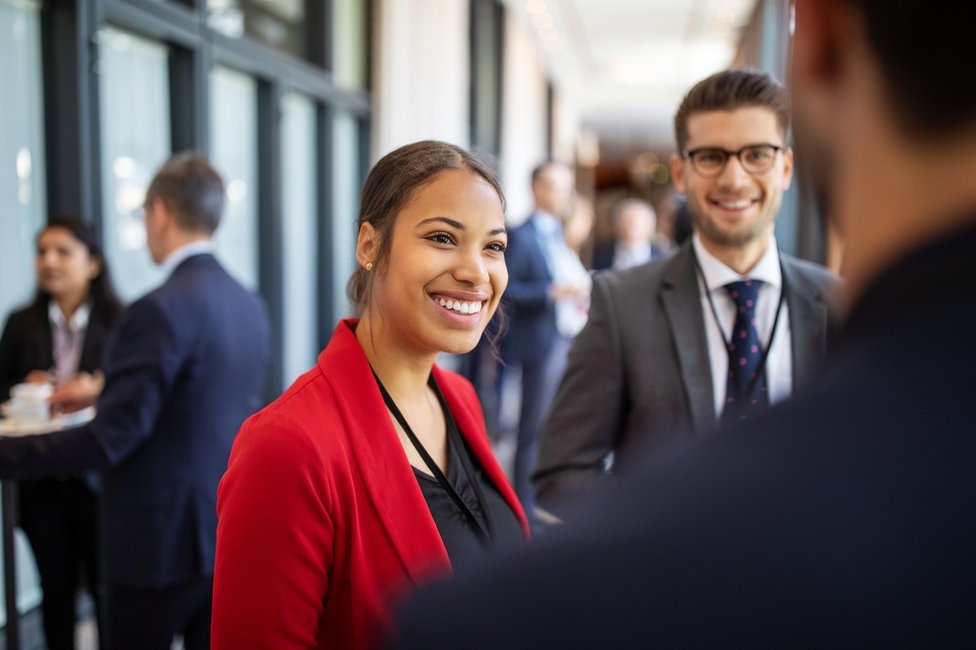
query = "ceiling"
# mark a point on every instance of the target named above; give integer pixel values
(626, 63)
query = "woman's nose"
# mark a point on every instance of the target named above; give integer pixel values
(471, 267)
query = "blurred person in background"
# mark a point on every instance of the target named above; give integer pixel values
(373, 472)
(634, 224)
(721, 329)
(843, 517)
(545, 291)
(185, 366)
(578, 227)
(60, 338)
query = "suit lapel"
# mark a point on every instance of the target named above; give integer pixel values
(682, 305)
(808, 322)
(469, 422)
(383, 466)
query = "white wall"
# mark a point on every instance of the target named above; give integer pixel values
(421, 89)
(524, 121)
(420, 59)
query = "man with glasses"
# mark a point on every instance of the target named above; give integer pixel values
(722, 329)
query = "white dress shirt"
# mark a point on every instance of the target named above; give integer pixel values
(625, 257)
(176, 257)
(566, 268)
(67, 337)
(779, 362)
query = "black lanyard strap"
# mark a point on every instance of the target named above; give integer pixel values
(761, 368)
(479, 528)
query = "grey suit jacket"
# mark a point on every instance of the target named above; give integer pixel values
(639, 373)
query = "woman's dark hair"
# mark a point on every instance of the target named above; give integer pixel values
(100, 290)
(391, 184)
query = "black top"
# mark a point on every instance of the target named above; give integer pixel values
(460, 537)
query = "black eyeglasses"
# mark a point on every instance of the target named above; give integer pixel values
(711, 161)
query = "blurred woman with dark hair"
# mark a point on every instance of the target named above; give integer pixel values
(60, 338)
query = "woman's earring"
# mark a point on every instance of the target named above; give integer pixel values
(369, 266)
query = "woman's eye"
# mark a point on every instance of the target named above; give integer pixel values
(441, 238)
(497, 246)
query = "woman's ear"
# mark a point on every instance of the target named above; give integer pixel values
(367, 245)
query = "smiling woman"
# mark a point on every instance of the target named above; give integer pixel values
(373, 472)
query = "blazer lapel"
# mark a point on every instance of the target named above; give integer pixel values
(682, 305)
(388, 477)
(470, 423)
(808, 322)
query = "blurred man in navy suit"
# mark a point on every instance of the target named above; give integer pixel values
(547, 288)
(184, 369)
(844, 516)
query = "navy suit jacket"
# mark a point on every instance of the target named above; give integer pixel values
(184, 368)
(839, 518)
(531, 314)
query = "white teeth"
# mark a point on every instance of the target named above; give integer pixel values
(461, 306)
(735, 205)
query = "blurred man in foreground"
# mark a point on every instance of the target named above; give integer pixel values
(841, 517)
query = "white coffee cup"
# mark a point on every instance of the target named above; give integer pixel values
(28, 403)
(28, 412)
(31, 392)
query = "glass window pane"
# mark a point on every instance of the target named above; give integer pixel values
(347, 181)
(22, 205)
(299, 185)
(134, 98)
(233, 132)
(22, 187)
(280, 24)
(350, 35)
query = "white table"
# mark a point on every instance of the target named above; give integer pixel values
(9, 485)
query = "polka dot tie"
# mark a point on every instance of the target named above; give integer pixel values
(746, 387)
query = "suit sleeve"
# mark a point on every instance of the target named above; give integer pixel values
(526, 290)
(274, 541)
(143, 364)
(585, 415)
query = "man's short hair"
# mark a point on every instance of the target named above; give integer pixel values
(730, 90)
(192, 190)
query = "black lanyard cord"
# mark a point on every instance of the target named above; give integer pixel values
(483, 534)
(761, 368)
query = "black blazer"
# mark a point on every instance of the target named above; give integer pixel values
(184, 369)
(26, 344)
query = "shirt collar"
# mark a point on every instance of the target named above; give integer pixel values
(176, 257)
(546, 223)
(717, 274)
(78, 320)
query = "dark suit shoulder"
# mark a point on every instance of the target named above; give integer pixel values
(815, 275)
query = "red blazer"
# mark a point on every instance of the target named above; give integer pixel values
(322, 525)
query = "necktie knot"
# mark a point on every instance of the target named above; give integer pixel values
(744, 293)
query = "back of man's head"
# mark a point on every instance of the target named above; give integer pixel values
(921, 47)
(192, 190)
